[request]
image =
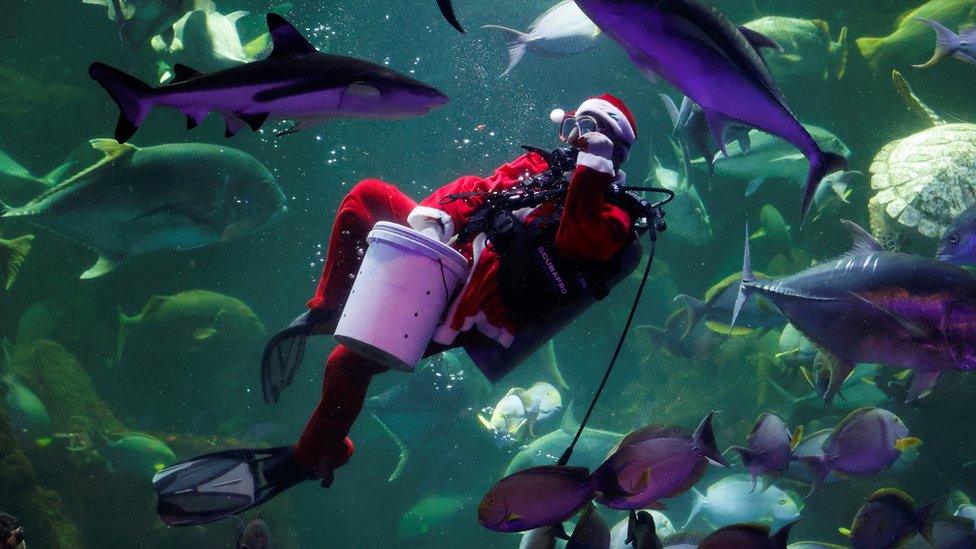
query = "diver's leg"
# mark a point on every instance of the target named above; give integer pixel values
(324, 445)
(367, 203)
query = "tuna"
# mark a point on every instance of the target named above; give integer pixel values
(870, 305)
(697, 50)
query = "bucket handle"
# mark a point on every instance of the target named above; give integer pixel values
(447, 293)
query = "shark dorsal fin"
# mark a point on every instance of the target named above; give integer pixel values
(286, 38)
(182, 73)
(863, 241)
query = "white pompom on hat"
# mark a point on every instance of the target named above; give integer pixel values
(611, 112)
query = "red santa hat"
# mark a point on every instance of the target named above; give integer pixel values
(610, 111)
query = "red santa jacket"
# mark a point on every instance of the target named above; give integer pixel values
(590, 229)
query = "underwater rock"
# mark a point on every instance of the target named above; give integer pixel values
(195, 350)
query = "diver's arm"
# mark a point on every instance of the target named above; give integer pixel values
(441, 213)
(591, 229)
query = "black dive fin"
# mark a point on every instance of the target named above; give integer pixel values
(216, 486)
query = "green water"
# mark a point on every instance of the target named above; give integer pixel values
(49, 108)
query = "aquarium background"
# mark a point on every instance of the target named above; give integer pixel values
(49, 108)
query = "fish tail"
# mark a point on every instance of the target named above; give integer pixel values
(705, 438)
(927, 515)
(844, 54)
(695, 310)
(870, 48)
(13, 253)
(696, 507)
(946, 43)
(517, 45)
(447, 10)
(129, 93)
(748, 279)
(822, 164)
(819, 469)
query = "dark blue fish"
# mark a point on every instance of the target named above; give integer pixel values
(958, 244)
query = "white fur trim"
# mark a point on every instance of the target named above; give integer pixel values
(423, 217)
(606, 112)
(594, 162)
(557, 116)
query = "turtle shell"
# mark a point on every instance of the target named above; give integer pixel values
(926, 180)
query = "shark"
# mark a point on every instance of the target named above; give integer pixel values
(296, 82)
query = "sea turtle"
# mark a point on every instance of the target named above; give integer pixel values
(923, 182)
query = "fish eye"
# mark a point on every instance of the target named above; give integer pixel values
(783, 501)
(953, 238)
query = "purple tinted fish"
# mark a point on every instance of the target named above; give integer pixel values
(715, 64)
(958, 245)
(658, 462)
(864, 443)
(540, 496)
(747, 536)
(295, 82)
(768, 450)
(874, 306)
(889, 519)
(962, 46)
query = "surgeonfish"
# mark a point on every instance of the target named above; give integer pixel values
(890, 518)
(958, 245)
(732, 500)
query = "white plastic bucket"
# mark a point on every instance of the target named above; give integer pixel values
(399, 296)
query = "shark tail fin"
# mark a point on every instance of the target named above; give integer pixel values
(129, 93)
(518, 44)
(13, 253)
(946, 43)
(822, 164)
(748, 279)
(694, 310)
(705, 438)
(696, 507)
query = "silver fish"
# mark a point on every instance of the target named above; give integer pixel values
(167, 197)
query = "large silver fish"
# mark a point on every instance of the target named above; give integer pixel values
(166, 197)
(561, 31)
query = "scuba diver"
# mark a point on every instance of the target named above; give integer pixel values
(545, 236)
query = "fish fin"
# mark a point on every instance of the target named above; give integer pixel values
(725, 329)
(124, 323)
(791, 58)
(745, 143)
(926, 516)
(846, 532)
(748, 278)
(103, 266)
(286, 38)
(782, 537)
(234, 17)
(822, 164)
(447, 10)
(517, 45)
(514, 429)
(232, 125)
(12, 256)
(569, 424)
(641, 64)
(923, 382)
(111, 148)
(673, 112)
(907, 443)
(401, 446)
(485, 423)
(552, 365)
(258, 45)
(182, 73)
(796, 437)
(695, 310)
(946, 43)
(696, 507)
(841, 44)
(129, 93)
(839, 368)
(255, 121)
(559, 532)
(914, 104)
(760, 40)
(915, 329)
(788, 396)
(754, 185)
(862, 242)
(705, 437)
(204, 334)
(871, 49)
(716, 123)
(820, 468)
(58, 174)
